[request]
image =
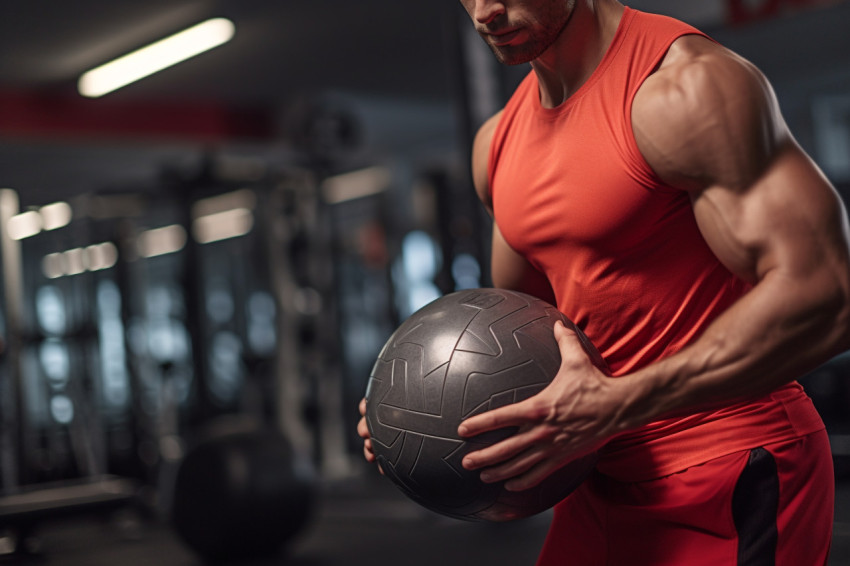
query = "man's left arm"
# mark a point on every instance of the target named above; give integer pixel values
(707, 122)
(768, 214)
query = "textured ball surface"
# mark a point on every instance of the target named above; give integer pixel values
(463, 354)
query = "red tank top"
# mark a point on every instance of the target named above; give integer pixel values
(572, 193)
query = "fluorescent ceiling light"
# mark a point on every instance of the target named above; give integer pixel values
(222, 225)
(24, 225)
(74, 261)
(155, 57)
(79, 260)
(53, 266)
(101, 256)
(32, 222)
(56, 215)
(161, 241)
(356, 184)
(243, 198)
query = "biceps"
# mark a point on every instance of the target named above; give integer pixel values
(789, 219)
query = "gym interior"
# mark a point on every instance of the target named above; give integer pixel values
(200, 268)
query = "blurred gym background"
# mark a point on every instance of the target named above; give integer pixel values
(199, 268)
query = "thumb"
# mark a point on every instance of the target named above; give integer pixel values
(564, 334)
(568, 344)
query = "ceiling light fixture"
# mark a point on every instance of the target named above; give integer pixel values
(222, 225)
(161, 241)
(155, 57)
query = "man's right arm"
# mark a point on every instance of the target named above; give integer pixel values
(508, 269)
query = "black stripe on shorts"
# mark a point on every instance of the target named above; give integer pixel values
(755, 504)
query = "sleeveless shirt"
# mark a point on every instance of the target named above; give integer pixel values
(622, 251)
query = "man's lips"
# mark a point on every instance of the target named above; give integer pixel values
(503, 37)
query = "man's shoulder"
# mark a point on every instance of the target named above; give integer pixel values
(697, 71)
(702, 99)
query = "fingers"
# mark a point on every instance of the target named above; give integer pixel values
(514, 468)
(362, 428)
(526, 458)
(363, 432)
(367, 452)
(523, 442)
(510, 415)
(532, 477)
(524, 471)
(525, 411)
(524, 463)
(370, 456)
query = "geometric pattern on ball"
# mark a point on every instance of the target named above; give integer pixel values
(463, 354)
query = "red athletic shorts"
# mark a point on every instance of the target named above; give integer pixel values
(770, 506)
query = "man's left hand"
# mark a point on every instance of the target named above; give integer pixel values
(574, 415)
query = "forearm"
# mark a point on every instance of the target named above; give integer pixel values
(776, 333)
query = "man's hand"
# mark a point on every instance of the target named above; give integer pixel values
(363, 432)
(575, 415)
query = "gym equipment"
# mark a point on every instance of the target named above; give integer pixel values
(241, 494)
(463, 354)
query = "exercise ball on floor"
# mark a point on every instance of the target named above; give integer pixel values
(241, 495)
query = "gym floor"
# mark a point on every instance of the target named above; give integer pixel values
(361, 521)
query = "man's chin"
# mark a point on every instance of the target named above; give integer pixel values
(511, 57)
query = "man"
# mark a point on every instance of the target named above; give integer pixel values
(642, 178)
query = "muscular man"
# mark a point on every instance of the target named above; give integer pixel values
(642, 178)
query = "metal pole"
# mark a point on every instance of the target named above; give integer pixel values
(13, 462)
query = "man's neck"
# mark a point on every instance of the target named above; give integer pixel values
(571, 60)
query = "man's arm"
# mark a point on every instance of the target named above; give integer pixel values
(768, 214)
(707, 122)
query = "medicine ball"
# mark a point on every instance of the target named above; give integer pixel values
(465, 353)
(241, 495)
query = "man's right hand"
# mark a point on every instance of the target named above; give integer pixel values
(363, 432)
